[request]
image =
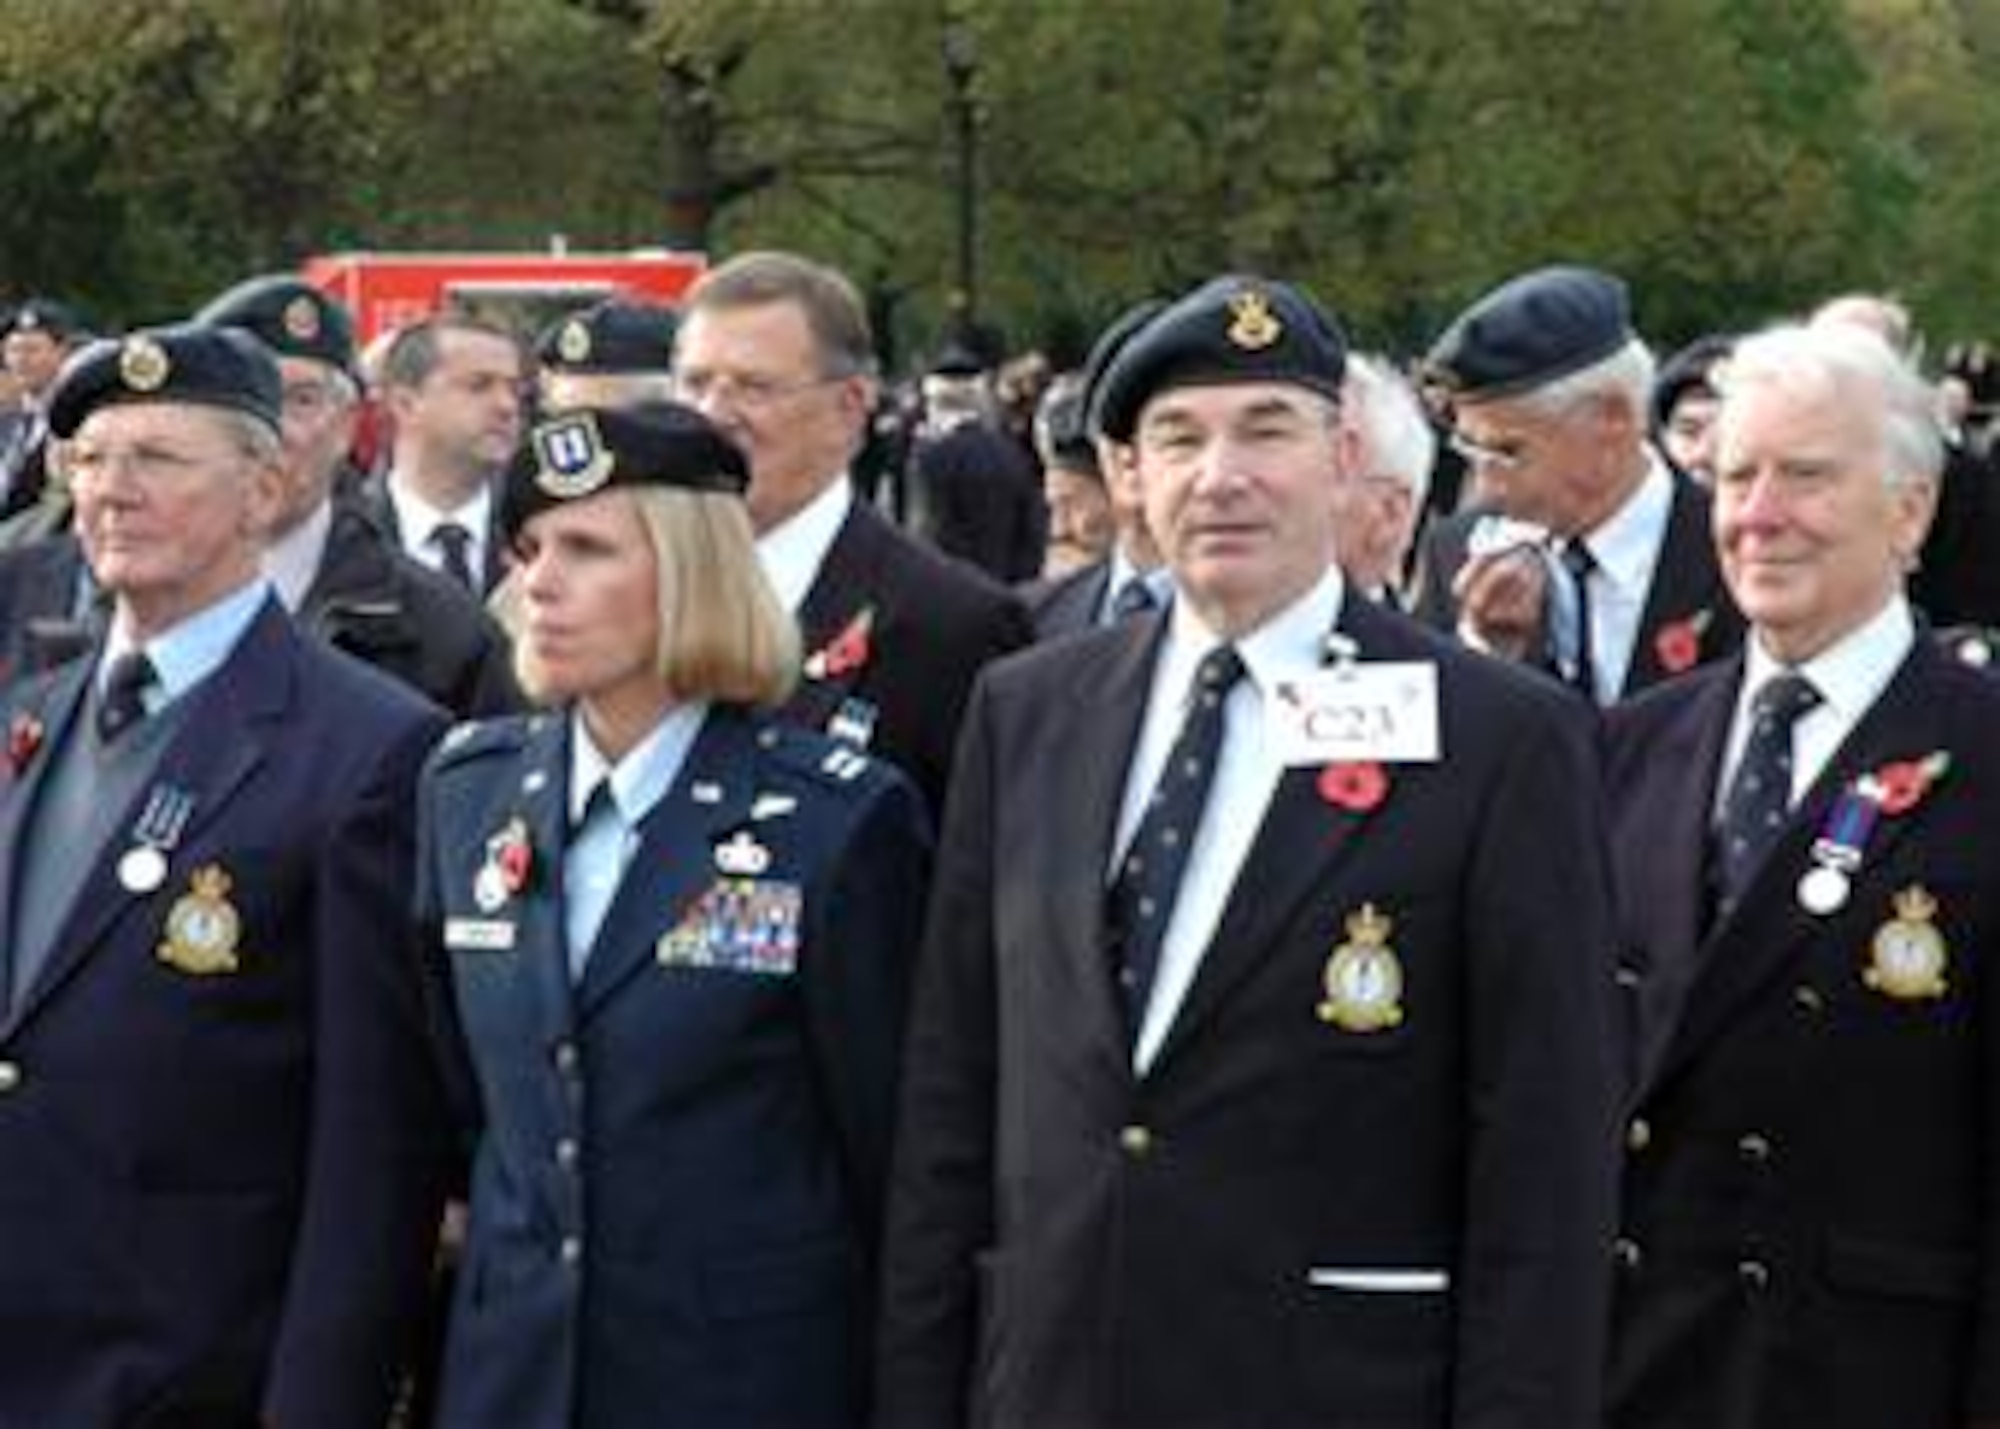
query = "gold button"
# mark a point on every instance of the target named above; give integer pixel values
(10, 1076)
(1639, 1134)
(1136, 1140)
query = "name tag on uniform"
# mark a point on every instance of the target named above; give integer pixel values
(478, 935)
(1384, 711)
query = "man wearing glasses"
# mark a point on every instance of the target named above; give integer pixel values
(1584, 553)
(775, 350)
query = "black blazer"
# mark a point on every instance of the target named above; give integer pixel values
(1068, 603)
(1071, 1244)
(1809, 1199)
(930, 623)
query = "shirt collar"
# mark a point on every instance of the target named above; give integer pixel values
(188, 653)
(416, 518)
(292, 561)
(1288, 644)
(1626, 545)
(639, 780)
(1849, 674)
(793, 550)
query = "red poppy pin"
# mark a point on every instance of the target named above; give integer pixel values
(510, 863)
(1678, 643)
(846, 652)
(1354, 785)
(24, 737)
(1898, 787)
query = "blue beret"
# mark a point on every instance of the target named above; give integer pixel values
(613, 336)
(592, 449)
(1530, 331)
(1233, 329)
(189, 363)
(1104, 352)
(288, 315)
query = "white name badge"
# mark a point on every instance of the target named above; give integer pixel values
(1383, 711)
(478, 935)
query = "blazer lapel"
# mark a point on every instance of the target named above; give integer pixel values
(675, 863)
(834, 606)
(1300, 841)
(1770, 930)
(222, 738)
(56, 712)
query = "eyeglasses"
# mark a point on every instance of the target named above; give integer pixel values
(751, 393)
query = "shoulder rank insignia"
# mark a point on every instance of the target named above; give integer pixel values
(1907, 956)
(1363, 980)
(203, 927)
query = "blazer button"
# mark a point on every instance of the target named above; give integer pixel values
(1809, 999)
(10, 1076)
(1625, 1251)
(565, 1055)
(1135, 1140)
(1638, 1134)
(1754, 1148)
(1753, 1274)
(571, 1249)
(566, 1153)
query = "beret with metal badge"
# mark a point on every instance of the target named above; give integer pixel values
(188, 363)
(288, 315)
(593, 449)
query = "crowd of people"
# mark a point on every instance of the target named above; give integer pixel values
(546, 883)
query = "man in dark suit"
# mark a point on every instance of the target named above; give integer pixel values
(37, 337)
(973, 489)
(453, 389)
(1130, 579)
(775, 350)
(219, 1112)
(1800, 837)
(1306, 1117)
(334, 568)
(1603, 572)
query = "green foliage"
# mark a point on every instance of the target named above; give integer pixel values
(1733, 160)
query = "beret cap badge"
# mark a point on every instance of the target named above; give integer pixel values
(1253, 326)
(143, 365)
(573, 344)
(301, 318)
(571, 457)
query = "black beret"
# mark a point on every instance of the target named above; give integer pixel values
(1688, 371)
(592, 449)
(613, 336)
(1061, 435)
(45, 315)
(957, 359)
(1530, 331)
(1233, 329)
(288, 315)
(189, 363)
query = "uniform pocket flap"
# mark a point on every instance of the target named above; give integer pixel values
(1856, 1263)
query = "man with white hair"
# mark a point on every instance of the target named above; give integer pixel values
(1602, 570)
(1382, 497)
(1798, 838)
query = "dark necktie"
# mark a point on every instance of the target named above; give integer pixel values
(1579, 563)
(1135, 597)
(455, 542)
(124, 701)
(1141, 897)
(1760, 794)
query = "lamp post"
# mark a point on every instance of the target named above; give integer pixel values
(961, 67)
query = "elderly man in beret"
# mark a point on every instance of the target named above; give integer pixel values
(1260, 1069)
(36, 338)
(219, 1112)
(1585, 553)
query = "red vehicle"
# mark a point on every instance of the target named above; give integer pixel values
(525, 291)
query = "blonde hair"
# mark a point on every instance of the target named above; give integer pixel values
(724, 635)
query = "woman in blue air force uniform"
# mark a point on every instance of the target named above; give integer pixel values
(677, 937)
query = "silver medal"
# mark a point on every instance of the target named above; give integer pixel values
(489, 888)
(142, 869)
(1823, 890)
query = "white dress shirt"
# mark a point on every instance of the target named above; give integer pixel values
(292, 561)
(417, 521)
(793, 550)
(1289, 645)
(1626, 549)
